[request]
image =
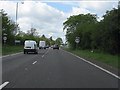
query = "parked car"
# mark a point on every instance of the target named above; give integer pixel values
(30, 46)
(56, 47)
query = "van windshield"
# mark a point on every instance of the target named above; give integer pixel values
(28, 44)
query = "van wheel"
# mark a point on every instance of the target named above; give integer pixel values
(24, 52)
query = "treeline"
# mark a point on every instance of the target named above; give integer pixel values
(13, 33)
(101, 36)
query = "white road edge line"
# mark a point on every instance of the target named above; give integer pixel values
(94, 65)
(11, 54)
(34, 62)
(3, 85)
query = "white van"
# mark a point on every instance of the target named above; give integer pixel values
(30, 46)
(42, 45)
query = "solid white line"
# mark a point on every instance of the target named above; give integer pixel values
(3, 85)
(34, 62)
(11, 54)
(95, 65)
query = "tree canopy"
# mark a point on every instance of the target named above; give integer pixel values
(103, 35)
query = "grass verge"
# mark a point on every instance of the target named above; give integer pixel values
(111, 60)
(0, 49)
(7, 49)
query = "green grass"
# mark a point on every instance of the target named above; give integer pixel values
(7, 49)
(0, 49)
(106, 58)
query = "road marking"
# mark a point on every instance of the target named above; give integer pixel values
(34, 62)
(11, 54)
(45, 53)
(95, 65)
(3, 85)
(26, 69)
(42, 55)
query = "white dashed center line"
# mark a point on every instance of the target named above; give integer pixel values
(34, 62)
(45, 53)
(3, 85)
(42, 56)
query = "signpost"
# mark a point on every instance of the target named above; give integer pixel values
(17, 42)
(77, 40)
(5, 38)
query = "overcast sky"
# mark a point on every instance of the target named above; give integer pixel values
(47, 16)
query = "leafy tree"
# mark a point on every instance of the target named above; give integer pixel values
(80, 26)
(103, 35)
(111, 31)
(8, 27)
(52, 42)
(32, 32)
(59, 41)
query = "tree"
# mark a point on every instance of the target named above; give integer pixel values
(111, 31)
(59, 41)
(8, 27)
(102, 36)
(32, 32)
(80, 26)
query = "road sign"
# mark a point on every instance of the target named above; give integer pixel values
(77, 40)
(4, 34)
(17, 41)
(4, 38)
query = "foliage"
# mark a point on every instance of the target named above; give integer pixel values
(103, 35)
(8, 27)
(105, 58)
(59, 41)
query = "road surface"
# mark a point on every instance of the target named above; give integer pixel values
(53, 69)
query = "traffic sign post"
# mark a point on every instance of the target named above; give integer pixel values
(77, 40)
(17, 42)
(4, 38)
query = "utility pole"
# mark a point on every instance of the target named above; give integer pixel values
(17, 15)
(16, 12)
(118, 4)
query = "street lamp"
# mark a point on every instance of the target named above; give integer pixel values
(17, 14)
(118, 4)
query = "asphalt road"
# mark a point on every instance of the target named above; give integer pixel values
(53, 69)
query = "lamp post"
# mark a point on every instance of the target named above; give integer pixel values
(118, 4)
(17, 14)
(16, 27)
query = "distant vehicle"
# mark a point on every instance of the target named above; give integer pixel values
(42, 45)
(30, 46)
(52, 46)
(56, 47)
(47, 46)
